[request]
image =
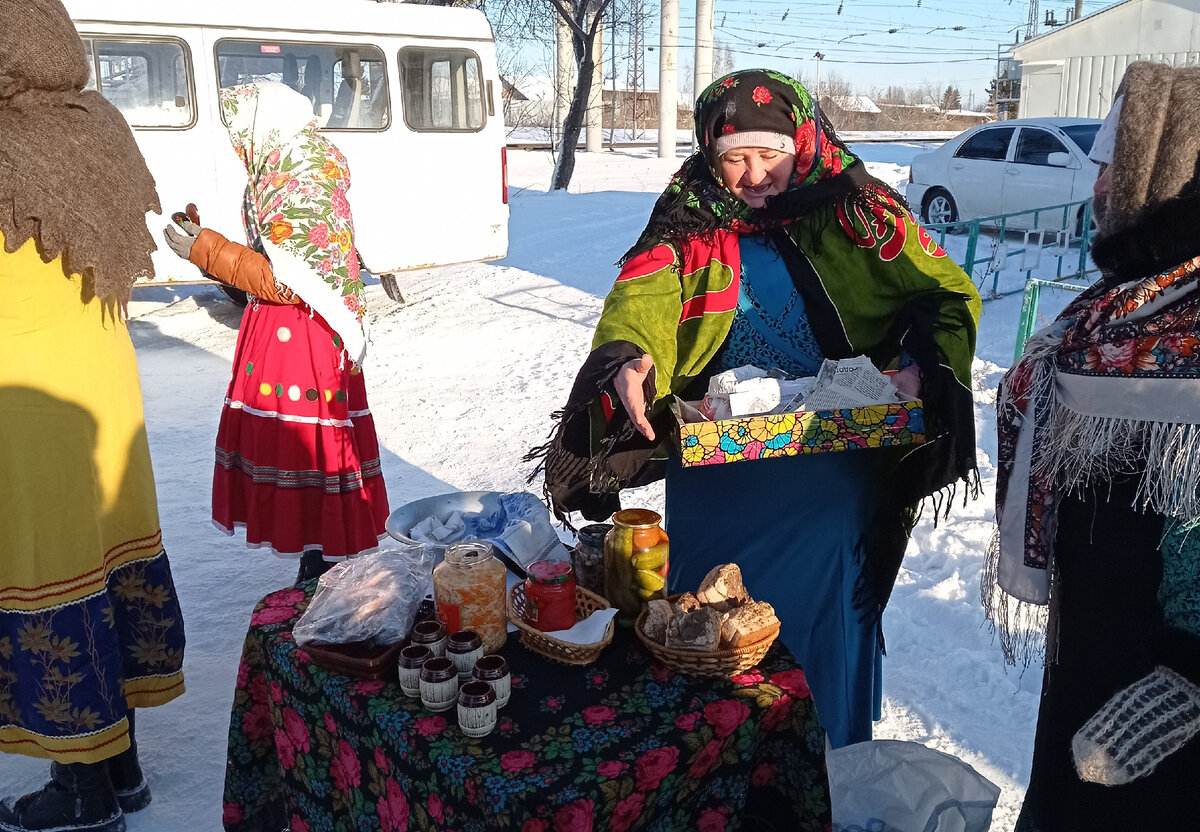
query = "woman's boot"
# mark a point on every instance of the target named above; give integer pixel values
(312, 565)
(133, 792)
(78, 796)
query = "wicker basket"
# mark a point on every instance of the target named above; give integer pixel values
(552, 648)
(721, 663)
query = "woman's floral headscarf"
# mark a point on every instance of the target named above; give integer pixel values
(295, 207)
(760, 99)
(697, 202)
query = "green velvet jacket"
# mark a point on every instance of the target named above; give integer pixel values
(867, 269)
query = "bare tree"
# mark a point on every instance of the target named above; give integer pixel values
(517, 20)
(722, 60)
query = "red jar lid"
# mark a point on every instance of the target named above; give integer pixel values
(550, 572)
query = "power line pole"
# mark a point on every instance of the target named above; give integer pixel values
(612, 119)
(668, 77)
(704, 51)
(1031, 27)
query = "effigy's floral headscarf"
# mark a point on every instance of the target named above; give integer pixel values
(698, 202)
(295, 207)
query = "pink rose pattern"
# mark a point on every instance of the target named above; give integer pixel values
(645, 749)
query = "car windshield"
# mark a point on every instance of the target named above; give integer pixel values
(1083, 135)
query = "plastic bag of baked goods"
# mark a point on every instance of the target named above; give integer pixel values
(373, 597)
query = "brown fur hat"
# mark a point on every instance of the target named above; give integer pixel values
(1158, 139)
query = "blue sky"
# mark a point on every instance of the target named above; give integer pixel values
(870, 43)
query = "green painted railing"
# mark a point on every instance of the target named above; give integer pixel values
(1073, 228)
(1067, 225)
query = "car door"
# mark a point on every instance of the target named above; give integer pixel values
(1031, 181)
(977, 172)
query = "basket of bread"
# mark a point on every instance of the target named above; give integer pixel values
(717, 631)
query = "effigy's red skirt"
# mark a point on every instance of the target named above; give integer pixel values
(297, 456)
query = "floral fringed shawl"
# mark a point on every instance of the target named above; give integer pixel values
(296, 206)
(1111, 387)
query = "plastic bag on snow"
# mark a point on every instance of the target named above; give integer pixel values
(897, 786)
(374, 596)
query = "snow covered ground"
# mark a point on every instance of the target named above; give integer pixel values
(503, 341)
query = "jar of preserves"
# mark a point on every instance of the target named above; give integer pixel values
(469, 588)
(587, 558)
(550, 596)
(636, 560)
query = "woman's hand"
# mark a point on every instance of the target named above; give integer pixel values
(908, 381)
(182, 244)
(629, 381)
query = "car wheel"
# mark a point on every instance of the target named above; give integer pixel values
(939, 207)
(234, 294)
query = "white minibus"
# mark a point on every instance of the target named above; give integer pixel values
(410, 94)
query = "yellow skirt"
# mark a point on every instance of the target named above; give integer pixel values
(89, 622)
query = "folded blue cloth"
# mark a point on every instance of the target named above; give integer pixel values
(519, 527)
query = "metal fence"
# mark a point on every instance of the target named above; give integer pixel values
(1062, 233)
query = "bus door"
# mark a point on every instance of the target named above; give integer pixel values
(444, 194)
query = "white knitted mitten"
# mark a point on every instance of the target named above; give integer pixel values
(1137, 729)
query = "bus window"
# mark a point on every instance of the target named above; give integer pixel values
(442, 89)
(346, 83)
(148, 81)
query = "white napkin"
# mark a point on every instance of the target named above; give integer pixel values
(588, 631)
(432, 530)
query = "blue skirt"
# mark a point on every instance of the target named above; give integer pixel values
(791, 525)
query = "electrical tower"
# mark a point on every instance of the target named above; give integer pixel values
(637, 66)
(1031, 27)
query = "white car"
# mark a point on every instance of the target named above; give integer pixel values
(1005, 167)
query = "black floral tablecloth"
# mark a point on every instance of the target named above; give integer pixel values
(623, 744)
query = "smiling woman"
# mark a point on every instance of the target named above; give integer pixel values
(773, 246)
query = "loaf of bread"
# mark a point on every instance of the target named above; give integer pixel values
(697, 630)
(747, 624)
(722, 588)
(658, 615)
(686, 602)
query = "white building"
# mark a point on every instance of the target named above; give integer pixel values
(1074, 70)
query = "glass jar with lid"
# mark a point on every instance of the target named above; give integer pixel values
(636, 561)
(587, 558)
(550, 596)
(470, 588)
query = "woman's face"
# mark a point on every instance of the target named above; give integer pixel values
(755, 173)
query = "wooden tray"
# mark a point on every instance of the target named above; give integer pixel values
(361, 659)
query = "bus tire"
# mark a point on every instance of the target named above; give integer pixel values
(234, 294)
(391, 288)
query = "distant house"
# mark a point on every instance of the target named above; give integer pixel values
(926, 117)
(851, 112)
(529, 102)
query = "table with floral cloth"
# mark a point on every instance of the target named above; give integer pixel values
(622, 744)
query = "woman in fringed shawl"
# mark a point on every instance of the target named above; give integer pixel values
(90, 627)
(297, 455)
(773, 246)
(1097, 496)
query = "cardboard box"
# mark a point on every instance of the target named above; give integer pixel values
(802, 432)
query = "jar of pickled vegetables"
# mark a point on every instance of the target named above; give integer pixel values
(469, 588)
(550, 596)
(636, 560)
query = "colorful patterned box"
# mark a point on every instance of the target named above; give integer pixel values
(802, 432)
